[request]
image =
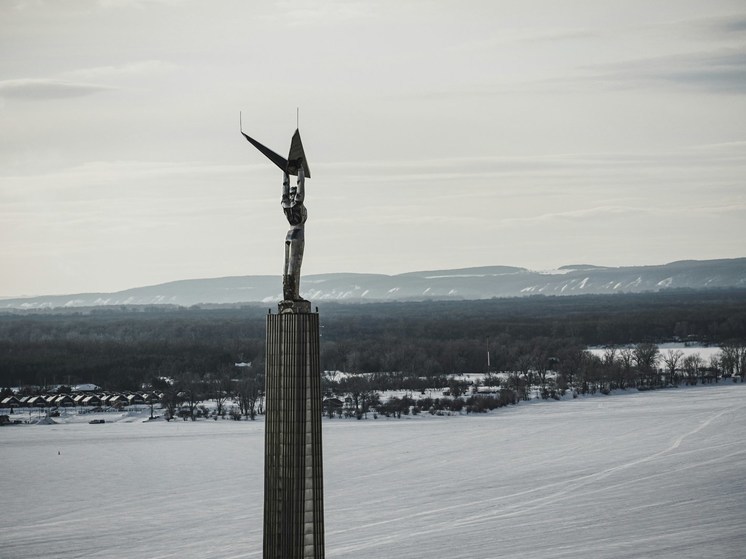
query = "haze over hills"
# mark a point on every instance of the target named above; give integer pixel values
(467, 283)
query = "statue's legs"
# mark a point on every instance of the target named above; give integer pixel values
(294, 245)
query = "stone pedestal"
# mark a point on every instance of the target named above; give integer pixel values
(293, 479)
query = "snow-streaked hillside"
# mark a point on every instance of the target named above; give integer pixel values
(469, 283)
(654, 474)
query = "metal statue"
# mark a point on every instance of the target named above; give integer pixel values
(296, 214)
(294, 209)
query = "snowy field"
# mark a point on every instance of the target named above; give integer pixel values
(705, 352)
(657, 474)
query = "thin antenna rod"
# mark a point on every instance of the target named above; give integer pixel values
(240, 124)
(297, 117)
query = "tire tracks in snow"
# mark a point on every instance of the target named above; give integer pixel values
(567, 489)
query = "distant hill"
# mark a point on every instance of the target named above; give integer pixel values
(467, 283)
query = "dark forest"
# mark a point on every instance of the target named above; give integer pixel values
(120, 348)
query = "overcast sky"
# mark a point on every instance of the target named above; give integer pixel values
(439, 134)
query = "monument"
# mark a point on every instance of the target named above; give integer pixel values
(293, 476)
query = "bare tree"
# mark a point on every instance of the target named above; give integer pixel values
(219, 388)
(612, 366)
(626, 361)
(570, 364)
(590, 373)
(170, 399)
(540, 359)
(671, 359)
(609, 357)
(733, 357)
(523, 365)
(249, 392)
(359, 390)
(692, 364)
(192, 392)
(646, 357)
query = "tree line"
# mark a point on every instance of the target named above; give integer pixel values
(547, 370)
(123, 348)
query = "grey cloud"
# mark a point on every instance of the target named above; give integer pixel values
(728, 25)
(598, 213)
(736, 25)
(721, 71)
(138, 4)
(556, 36)
(133, 69)
(523, 35)
(326, 13)
(461, 167)
(708, 28)
(46, 89)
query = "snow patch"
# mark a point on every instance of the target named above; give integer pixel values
(636, 282)
(554, 272)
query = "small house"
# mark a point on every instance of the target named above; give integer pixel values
(36, 402)
(117, 401)
(63, 400)
(151, 398)
(135, 400)
(10, 402)
(91, 400)
(332, 405)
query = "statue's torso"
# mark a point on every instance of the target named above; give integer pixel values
(296, 214)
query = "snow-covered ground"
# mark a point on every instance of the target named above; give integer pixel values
(657, 474)
(705, 352)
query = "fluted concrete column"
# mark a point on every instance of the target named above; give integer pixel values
(293, 476)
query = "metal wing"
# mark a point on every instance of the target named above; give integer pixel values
(296, 153)
(275, 158)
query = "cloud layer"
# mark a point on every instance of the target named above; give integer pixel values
(506, 133)
(46, 89)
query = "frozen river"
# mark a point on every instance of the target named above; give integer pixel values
(647, 475)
